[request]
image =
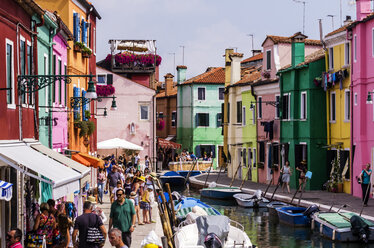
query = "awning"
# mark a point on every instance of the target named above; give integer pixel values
(19, 155)
(95, 162)
(80, 159)
(66, 161)
(168, 144)
(6, 190)
(117, 143)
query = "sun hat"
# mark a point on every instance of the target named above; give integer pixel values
(91, 199)
(142, 178)
(133, 193)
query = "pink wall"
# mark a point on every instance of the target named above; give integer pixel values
(59, 132)
(130, 95)
(362, 114)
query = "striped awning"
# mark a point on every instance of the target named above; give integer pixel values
(5, 190)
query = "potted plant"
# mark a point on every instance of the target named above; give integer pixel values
(78, 46)
(86, 52)
(87, 114)
(335, 183)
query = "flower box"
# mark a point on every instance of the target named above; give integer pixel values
(132, 59)
(86, 55)
(105, 90)
(77, 48)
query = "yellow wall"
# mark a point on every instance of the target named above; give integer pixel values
(76, 64)
(339, 131)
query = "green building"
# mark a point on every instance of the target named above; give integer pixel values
(303, 111)
(199, 118)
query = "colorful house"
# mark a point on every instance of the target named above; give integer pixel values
(360, 34)
(338, 99)
(303, 111)
(199, 117)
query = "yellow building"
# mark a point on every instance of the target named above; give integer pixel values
(338, 102)
(80, 17)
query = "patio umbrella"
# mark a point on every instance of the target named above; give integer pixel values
(118, 143)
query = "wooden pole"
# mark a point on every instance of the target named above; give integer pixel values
(302, 190)
(219, 173)
(267, 188)
(171, 202)
(206, 179)
(246, 177)
(297, 191)
(236, 172)
(276, 188)
(189, 173)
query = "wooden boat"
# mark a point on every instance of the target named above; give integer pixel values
(251, 200)
(226, 193)
(293, 216)
(193, 173)
(338, 227)
(272, 206)
(188, 236)
(185, 206)
(173, 178)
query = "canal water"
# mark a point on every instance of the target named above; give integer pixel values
(265, 231)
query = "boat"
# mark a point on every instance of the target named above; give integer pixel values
(209, 230)
(251, 200)
(193, 173)
(226, 193)
(341, 227)
(296, 216)
(187, 204)
(173, 178)
(272, 206)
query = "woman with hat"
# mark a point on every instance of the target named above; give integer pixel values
(96, 210)
(302, 168)
(145, 204)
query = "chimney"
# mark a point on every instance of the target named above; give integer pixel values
(298, 48)
(348, 20)
(256, 52)
(169, 83)
(181, 73)
(363, 8)
(235, 67)
(227, 55)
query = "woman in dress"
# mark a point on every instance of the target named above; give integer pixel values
(100, 184)
(45, 224)
(286, 174)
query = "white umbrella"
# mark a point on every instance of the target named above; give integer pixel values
(117, 143)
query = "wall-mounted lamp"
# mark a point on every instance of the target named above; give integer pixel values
(105, 112)
(369, 99)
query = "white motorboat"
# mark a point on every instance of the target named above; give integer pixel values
(251, 201)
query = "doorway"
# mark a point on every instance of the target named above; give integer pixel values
(250, 158)
(239, 163)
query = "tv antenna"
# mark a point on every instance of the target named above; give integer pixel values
(332, 20)
(252, 36)
(303, 2)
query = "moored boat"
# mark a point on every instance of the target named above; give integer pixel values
(173, 178)
(251, 200)
(186, 205)
(272, 206)
(193, 173)
(226, 193)
(343, 227)
(296, 216)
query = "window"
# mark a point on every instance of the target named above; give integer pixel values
(268, 60)
(346, 54)
(286, 107)
(200, 93)
(355, 48)
(277, 108)
(76, 26)
(202, 120)
(161, 115)
(332, 107)
(60, 81)
(275, 153)
(347, 105)
(331, 58)
(259, 110)
(174, 119)
(10, 74)
(29, 69)
(219, 120)
(355, 99)
(261, 152)
(303, 106)
(94, 41)
(22, 50)
(254, 158)
(244, 122)
(144, 112)
(228, 112)
(244, 152)
(239, 112)
(105, 79)
(221, 93)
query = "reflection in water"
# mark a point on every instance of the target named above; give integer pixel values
(265, 231)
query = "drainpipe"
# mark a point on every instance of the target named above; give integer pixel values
(50, 100)
(351, 138)
(154, 167)
(18, 93)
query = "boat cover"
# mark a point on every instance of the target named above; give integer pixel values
(217, 224)
(340, 220)
(171, 174)
(184, 211)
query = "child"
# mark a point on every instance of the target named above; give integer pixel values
(145, 204)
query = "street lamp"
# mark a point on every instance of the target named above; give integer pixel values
(91, 92)
(114, 104)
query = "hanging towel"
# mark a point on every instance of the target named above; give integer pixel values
(325, 81)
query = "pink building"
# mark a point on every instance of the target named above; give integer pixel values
(59, 99)
(362, 129)
(134, 119)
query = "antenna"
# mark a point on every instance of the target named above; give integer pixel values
(303, 2)
(341, 14)
(252, 36)
(332, 20)
(182, 55)
(174, 62)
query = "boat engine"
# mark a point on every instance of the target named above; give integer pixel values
(311, 210)
(212, 241)
(359, 228)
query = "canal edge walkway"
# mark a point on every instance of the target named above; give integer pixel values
(323, 199)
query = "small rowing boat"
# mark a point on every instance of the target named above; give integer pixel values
(251, 200)
(225, 193)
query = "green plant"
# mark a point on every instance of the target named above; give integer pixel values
(83, 129)
(91, 127)
(335, 175)
(79, 44)
(87, 114)
(86, 50)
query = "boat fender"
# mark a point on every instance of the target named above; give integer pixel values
(312, 224)
(212, 241)
(321, 228)
(333, 235)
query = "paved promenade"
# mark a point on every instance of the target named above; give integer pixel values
(141, 231)
(323, 199)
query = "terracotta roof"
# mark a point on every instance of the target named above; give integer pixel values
(254, 76)
(213, 75)
(309, 59)
(173, 92)
(281, 39)
(336, 31)
(253, 58)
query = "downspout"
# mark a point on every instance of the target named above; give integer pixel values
(255, 121)
(19, 92)
(51, 34)
(154, 133)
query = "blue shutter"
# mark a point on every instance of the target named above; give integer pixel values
(78, 28)
(84, 31)
(75, 26)
(197, 120)
(270, 163)
(76, 94)
(84, 107)
(198, 151)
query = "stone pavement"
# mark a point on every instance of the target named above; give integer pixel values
(141, 231)
(323, 199)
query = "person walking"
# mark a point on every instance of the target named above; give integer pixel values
(115, 238)
(113, 178)
(14, 238)
(122, 216)
(302, 168)
(100, 184)
(83, 223)
(64, 230)
(365, 183)
(286, 174)
(45, 224)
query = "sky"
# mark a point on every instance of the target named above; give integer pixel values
(207, 27)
